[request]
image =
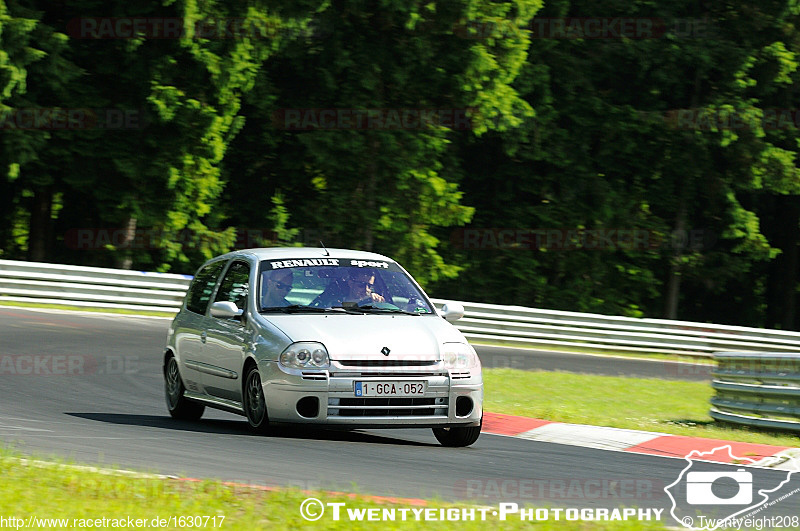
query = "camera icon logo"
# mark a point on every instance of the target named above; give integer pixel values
(699, 488)
(710, 495)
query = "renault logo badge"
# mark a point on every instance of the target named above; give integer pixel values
(385, 351)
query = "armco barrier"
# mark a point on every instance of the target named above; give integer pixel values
(761, 390)
(514, 325)
(91, 286)
(553, 328)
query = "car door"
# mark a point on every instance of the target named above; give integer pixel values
(223, 353)
(190, 327)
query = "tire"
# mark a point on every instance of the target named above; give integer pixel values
(178, 405)
(457, 437)
(255, 407)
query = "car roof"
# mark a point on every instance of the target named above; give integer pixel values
(280, 253)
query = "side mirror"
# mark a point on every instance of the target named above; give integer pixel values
(225, 310)
(453, 311)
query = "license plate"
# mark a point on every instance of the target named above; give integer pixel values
(390, 388)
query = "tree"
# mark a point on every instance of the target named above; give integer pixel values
(399, 81)
(24, 44)
(157, 171)
(606, 151)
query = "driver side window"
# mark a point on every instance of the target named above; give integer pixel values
(235, 286)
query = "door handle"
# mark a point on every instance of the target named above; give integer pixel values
(203, 337)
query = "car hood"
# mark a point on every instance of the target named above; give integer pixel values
(362, 337)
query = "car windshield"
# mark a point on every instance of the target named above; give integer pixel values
(332, 283)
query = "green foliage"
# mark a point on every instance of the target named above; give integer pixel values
(687, 138)
(379, 187)
(608, 149)
(159, 173)
(280, 221)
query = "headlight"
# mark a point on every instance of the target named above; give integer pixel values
(305, 355)
(459, 356)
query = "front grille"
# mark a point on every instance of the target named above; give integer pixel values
(379, 374)
(387, 407)
(394, 401)
(386, 363)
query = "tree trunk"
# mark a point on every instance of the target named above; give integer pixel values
(41, 226)
(674, 282)
(8, 194)
(790, 294)
(369, 200)
(781, 226)
(785, 277)
(124, 258)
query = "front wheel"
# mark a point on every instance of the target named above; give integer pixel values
(457, 437)
(178, 405)
(255, 407)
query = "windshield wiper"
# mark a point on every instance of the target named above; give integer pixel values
(294, 308)
(372, 308)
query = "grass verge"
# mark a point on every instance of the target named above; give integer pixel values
(667, 406)
(77, 495)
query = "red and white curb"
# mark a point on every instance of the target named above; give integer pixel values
(634, 441)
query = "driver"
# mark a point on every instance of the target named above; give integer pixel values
(360, 286)
(277, 285)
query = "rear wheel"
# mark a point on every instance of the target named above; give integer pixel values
(255, 407)
(457, 437)
(178, 405)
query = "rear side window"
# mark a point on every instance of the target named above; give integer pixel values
(203, 284)
(236, 285)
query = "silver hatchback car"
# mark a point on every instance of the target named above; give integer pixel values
(335, 337)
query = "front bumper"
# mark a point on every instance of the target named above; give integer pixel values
(452, 398)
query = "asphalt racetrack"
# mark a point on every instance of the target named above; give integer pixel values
(109, 409)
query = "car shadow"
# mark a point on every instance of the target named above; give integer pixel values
(239, 427)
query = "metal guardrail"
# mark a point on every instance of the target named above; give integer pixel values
(522, 326)
(91, 286)
(513, 325)
(761, 390)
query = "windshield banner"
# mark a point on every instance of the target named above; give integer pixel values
(332, 262)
